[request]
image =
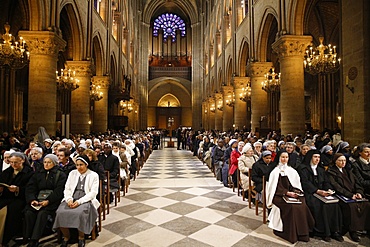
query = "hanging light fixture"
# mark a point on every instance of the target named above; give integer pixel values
(212, 108)
(246, 94)
(272, 81)
(322, 59)
(220, 105)
(230, 101)
(66, 81)
(13, 54)
(95, 94)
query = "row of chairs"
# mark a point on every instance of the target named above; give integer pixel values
(252, 193)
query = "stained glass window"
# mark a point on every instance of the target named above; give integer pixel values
(169, 23)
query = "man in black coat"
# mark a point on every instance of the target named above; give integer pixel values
(262, 167)
(111, 164)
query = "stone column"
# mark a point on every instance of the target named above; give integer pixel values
(44, 47)
(218, 112)
(240, 108)
(100, 121)
(205, 113)
(80, 100)
(211, 118)
(228, 112)
(291, 51)
(256, 71)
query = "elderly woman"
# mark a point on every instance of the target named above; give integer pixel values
(290, 217)
(361, 167)
(12, 196)
(36, 162)
(328, 217)
(79, 205)
(355, 214)
(49, 180)
(245, 162)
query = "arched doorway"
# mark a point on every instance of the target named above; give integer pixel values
(169, 98)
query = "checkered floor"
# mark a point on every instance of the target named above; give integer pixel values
(176, 201)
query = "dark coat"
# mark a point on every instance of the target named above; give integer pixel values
(336, 180)
(15, 202)
(98, 167)
(111, 164)
(20, 180)
(260, 169)
(69, 167)
(362, 174)
(46, 180)
(218, 154)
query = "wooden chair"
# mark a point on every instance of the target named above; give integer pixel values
(107, 192)
(239, 185)
(264, 216)
(102, 203)
(251, 192)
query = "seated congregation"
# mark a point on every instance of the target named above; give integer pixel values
(309, 189)
(64, 191)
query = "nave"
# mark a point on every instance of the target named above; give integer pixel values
(176, 201)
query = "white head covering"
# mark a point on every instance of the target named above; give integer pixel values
(232, 141)
(246, 148)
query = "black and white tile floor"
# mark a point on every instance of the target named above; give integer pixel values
(176, 201)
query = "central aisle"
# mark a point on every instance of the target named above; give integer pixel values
(176, 201)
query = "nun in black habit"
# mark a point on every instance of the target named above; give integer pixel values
(328, 217)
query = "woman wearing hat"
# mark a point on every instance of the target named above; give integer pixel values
(245, 162)
(38, 208)
(356, 215)
(79, 205)
(328, 217)
(12, 199)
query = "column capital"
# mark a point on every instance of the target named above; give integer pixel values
(218, 96)
(291, 45)
(102, 81)
(82, 68)
(227, 89)
(43, 42)
(211, 100)
(258, 69)
(241, 82)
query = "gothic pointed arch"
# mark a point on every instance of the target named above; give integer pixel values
(266, 35)
(98, 54)
(169, 100)
(70, 24)
(229, 71)
(243, 58)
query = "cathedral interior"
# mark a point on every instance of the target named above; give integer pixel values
(88, 66)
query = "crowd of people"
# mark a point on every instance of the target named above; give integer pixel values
(317, 184)
(53, 183)
(48, 183)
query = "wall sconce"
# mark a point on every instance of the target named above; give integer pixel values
(212, 108)
(352, 74)
(220, 105)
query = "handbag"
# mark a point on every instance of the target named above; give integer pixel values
(44, 194)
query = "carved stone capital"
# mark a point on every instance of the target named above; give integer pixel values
(227, 89)
(241, 82)
(43, 42)
(258, 69)
(211, 101)
(82, 68)
(218, 96)
(291, 45)
(102, 81)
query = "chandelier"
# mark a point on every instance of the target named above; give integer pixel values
(220, 105)
(124, 105)
(212, 108)
(272, 81)
(67, 80)
(246, 94)
(230, 101)
(13, 54)
(322, 59)
(95, 94)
